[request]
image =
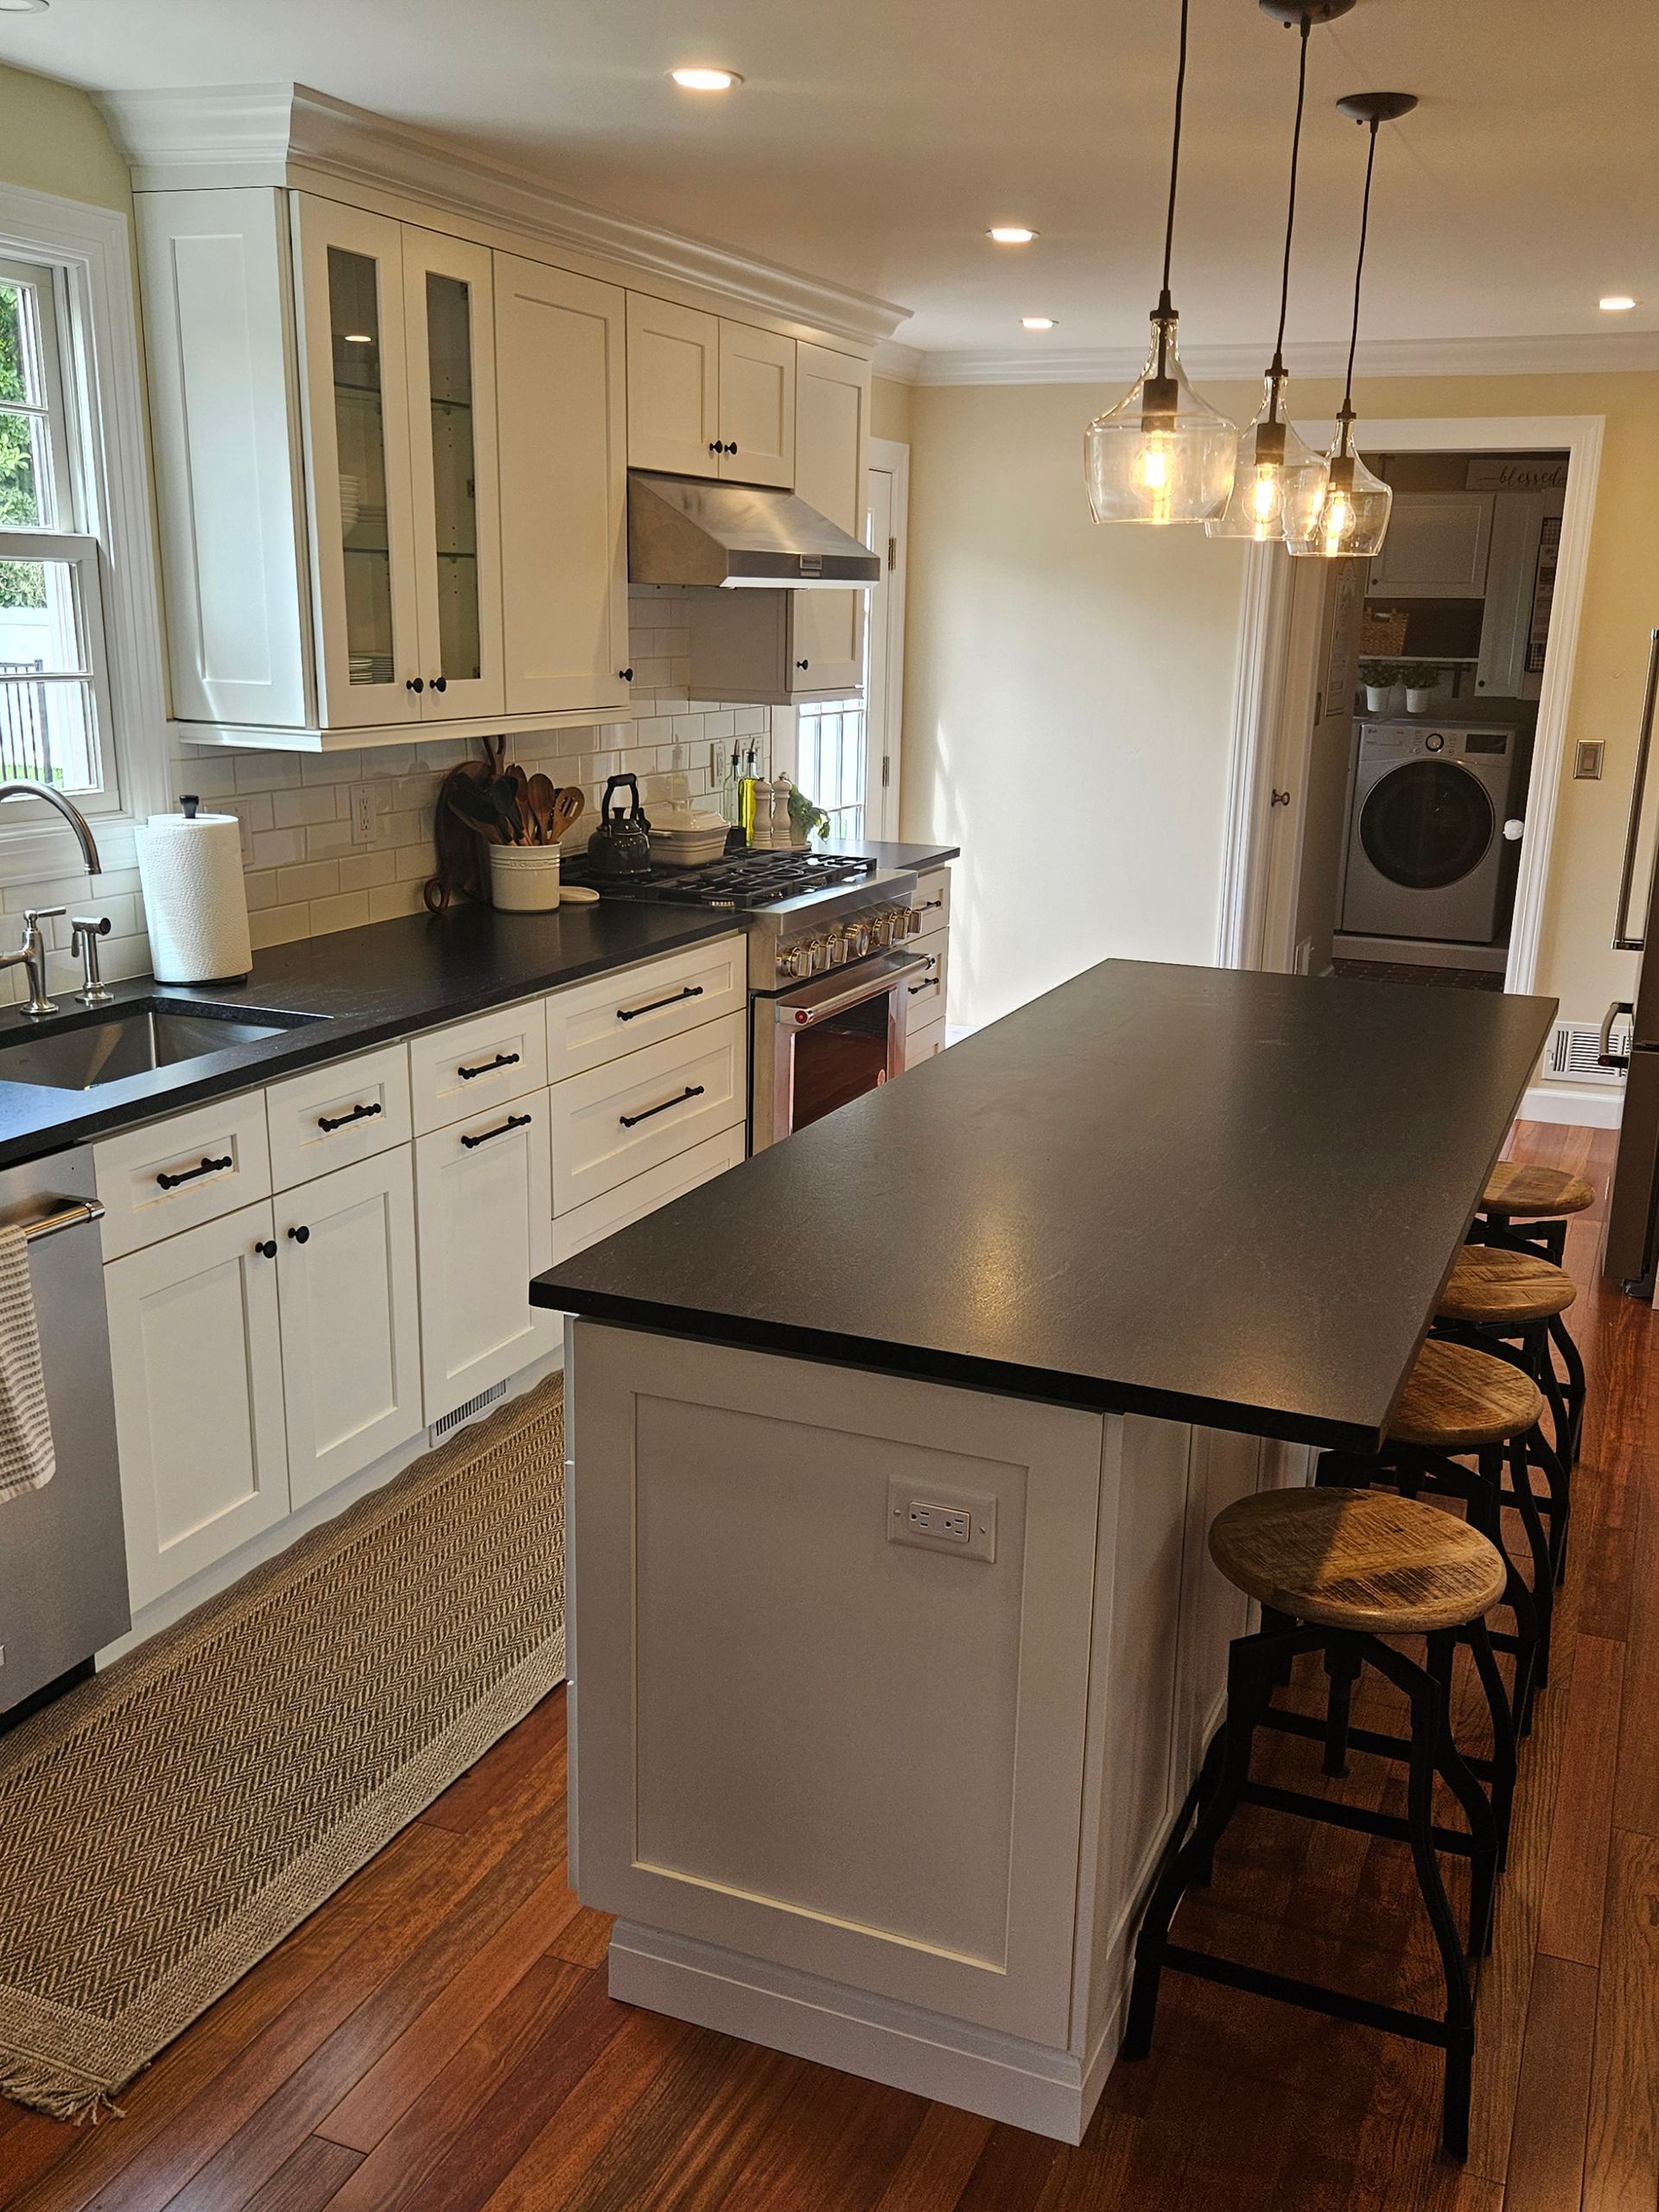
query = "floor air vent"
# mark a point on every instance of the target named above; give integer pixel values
(438, 1430)
(1570, 1055)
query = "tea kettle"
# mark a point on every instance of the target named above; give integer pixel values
(620, 847)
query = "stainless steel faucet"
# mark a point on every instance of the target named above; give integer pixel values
(30, 955)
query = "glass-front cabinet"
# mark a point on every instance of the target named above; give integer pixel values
(399, 379)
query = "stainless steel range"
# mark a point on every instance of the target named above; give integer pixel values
(829, 977)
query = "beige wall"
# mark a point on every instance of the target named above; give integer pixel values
(893, 411)
(53, 139)
(1069, 689)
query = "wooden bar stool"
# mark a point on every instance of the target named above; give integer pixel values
(1461, 1405)
(1515, 1303)
(1338, 1571)
(1526, 1207)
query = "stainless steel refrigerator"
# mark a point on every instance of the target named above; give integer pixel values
(1633, 1210)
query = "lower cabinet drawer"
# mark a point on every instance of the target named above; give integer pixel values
(924, 1041)
(331, 1115)
(483, 1200)
(629, 1114)
(171, 1175)
(933, 900)
(599, 1020)
(643, 1194)
(454, 1073)
(925, 1003)
(196, 1357)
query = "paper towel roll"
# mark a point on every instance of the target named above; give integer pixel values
(195, 900)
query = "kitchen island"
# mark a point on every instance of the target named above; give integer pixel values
(894, 1640)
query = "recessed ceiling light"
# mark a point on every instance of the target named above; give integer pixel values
(1010, 234)
(1036, 322)
(705, 80)
(356, 338)
(1615, 303)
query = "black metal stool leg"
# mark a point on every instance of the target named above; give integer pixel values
(1497, 1704)
(1425, 1695)
(1561, 1337)
(1519, 1453)
(1342, 1672)
(1476, 1806)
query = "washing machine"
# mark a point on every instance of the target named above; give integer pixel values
(1426, 832)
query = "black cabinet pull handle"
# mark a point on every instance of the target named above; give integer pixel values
(266, 1248)
(195, 1174)
(733, 447)
(913, 987)
(928, 904)
(440, 684)
(626, 675)
(633, 1013)
(513, 1122)
(300, 1235)
(489, 1067)
(802, 663)
(415, 683)
(692, 1090)
(330, 1122)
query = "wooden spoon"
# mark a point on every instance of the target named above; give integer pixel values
(567, 808)
(540, 797)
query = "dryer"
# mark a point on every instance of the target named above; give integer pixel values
(1424, 832)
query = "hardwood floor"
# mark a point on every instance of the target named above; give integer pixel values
(438, 2035)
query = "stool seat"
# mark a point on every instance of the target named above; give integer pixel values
(1359, 1560)
(1491, 1286)
(1514, 1188)
(1457, 1400)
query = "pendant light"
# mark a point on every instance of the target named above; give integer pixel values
(1277, 466)
(1347, 518)
(1162, 454)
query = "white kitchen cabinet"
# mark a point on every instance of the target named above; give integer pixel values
(196, 1357)
(631, 1008)
(758, 649)
(832, 455)
(707, 396)
(351, 1337)
(483, 1210)
(642, 1194)
(1436, 547)
(628, 1114)
(560, 363)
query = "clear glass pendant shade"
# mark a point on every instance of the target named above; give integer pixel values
(1277, 472)
(1344, 515)
(1162, 454)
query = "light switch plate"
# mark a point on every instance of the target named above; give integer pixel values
(960, 1522)
(1586, 759)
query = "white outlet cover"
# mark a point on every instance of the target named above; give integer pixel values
(902, 1496)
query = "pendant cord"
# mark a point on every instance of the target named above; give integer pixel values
(1174, 164)
(1278, 367)
(1359, 271)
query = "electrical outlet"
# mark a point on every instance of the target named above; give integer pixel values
(362, 814)
(942, 1520)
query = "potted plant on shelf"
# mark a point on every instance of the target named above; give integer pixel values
(1377, 676)
(1421, 679)
(806, 820)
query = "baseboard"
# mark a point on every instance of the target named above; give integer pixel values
(1589, 1106)
(1002, 2076)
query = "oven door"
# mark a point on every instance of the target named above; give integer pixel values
(823, 1043)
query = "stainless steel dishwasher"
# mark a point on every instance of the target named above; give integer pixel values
(63, 1559)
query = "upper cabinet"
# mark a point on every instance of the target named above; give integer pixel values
(707, 396)
(1436, 546)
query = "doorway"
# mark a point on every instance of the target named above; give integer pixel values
(1386, 826)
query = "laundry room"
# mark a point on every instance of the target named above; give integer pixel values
(1445, 634)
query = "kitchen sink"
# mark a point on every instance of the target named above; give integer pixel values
(80, 1051)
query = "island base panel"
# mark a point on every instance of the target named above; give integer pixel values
(887, 1804)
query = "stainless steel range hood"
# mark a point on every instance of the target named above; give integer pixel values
(737, 536)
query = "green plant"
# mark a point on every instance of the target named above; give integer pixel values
(1421, 675)
(1377, 675)
(809, 819)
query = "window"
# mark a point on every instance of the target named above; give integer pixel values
(829, 762)
(54, 701)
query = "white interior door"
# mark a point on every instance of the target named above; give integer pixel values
(1307, 804)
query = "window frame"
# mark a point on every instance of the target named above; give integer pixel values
(93, 305)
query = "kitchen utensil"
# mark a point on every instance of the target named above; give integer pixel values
(461, 840)
(620, 847)
(577, 895)
(525, 878)
(686, 836)
(539, 797)
(568, 804)
(502, 796)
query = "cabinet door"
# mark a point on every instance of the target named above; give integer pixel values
(451, 342)
(196, 1354)
(560, 347)
(351, 1333)
(757, 405)
(673, 387)
(1436, 547)
(832, 439)
(484, 1207)
(356, 385)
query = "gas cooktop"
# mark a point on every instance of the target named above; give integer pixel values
(739, 883)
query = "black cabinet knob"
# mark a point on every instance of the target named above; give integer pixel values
(733, 447)
(626, 675)
(300, 1235)
(715, 446)
(267, 1249)
(801, 664)
(440, 684)
(415, 683)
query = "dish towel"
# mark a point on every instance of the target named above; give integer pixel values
(27, 1459)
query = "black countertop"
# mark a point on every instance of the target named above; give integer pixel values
(885, 855)
(1205, 1194)
(383, 980)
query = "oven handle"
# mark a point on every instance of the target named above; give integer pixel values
(796, 1010)
(69, 1217)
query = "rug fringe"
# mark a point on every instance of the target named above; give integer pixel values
(51, 2089)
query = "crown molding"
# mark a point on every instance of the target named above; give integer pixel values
(261, 134)
(1573, 354)
(899, 364)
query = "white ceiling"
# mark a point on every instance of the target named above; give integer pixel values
(876, 140)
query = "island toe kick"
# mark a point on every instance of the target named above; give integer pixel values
(884, 1697)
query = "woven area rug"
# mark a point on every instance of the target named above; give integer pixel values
(164, 1826)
